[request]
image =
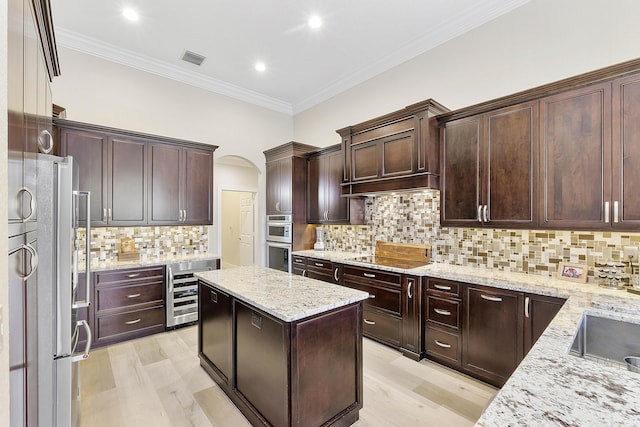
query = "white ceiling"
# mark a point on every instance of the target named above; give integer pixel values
(358, 40)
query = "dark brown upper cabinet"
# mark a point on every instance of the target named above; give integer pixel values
(576, 173)
(180, 185)
(287, 180)
(140, 179)
(397, 151)
(489, 168)
(325, 204)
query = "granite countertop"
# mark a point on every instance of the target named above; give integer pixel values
(550, 386)
(150, 261)
(283, 295)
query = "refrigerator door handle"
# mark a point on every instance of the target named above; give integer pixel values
(85, 354)
(87, 256)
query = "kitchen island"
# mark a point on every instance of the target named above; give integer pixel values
(286, 349)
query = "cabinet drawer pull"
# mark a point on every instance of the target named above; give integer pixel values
(369, 322)
(319, 264)
(133, 296)
(490, 298)
(132, 322)
(132, 275)
(442, 287)
(335, 274)
(441, 344)
(369, 275)
(442, 312)
(372, 297)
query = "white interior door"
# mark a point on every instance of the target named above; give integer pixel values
(237, 227)
(246, 228)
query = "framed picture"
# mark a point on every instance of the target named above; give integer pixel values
(572, 272)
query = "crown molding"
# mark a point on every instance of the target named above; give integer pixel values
(438, 34)
(81, 43)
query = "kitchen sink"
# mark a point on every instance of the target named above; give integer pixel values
(606, 339)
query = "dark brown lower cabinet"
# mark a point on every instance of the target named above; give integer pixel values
(302, 373)
(493, 333)
(411, 345)
(539, 311)
(216, 311)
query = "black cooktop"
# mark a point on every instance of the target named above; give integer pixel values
(389, 262)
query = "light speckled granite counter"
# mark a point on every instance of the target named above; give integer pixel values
(148, 262)
(280, 294)
(552, 387)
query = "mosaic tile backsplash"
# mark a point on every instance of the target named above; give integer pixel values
(151, 242)
(415, 218)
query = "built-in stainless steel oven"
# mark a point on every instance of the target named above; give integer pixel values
(279, 228)
(279, 256)
(279, 242)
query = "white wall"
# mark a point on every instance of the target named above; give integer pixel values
(540, 42)
(4, 292)
(97, 91)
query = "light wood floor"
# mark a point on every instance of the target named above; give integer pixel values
(157, 381)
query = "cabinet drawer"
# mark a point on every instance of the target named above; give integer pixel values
(444, 286)
(321, 265)
(115, 276)
(381, 326)
(443, 311)
(131, 321)
(299, 261)
(365, 275)
(383, 298)
(123, 296)
(444, 345)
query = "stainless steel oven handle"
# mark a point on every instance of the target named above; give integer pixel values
(85, 354)
(87, 255)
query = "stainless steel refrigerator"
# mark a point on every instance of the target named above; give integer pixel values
(62, 212)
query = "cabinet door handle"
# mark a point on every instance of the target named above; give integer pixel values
(442, 287)
(335, 274)
(372, 297)
(133, 296)
(46, 149)
(318, 264)
(616, 216)
(490, 298)
(369, 322)
(371, 276)
(304, 273)
(33, 262)
(132, 322)
(109, 217)
(526, 307)
(409, 289)
(606, 212)
(184, 217)
(133, 275)
(442, 312)
(277, 206)
(32, 203)
(480, 213)
(441, 344)
(485, 214)
(104, 215)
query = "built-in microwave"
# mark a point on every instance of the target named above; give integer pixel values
(279, 256)
(279, 228)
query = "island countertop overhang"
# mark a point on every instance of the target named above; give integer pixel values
(282, 295)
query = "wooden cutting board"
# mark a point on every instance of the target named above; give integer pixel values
(404, 251)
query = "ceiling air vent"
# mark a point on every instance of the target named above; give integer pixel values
(192, 57)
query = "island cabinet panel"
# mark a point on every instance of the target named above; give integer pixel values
(576, 158)
(307, 372)
(493, 333)
(262, 356)
(325, 367)
(215, 333)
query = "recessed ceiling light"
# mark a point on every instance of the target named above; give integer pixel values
(315, 22)
(260, 66)
(130, 14)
